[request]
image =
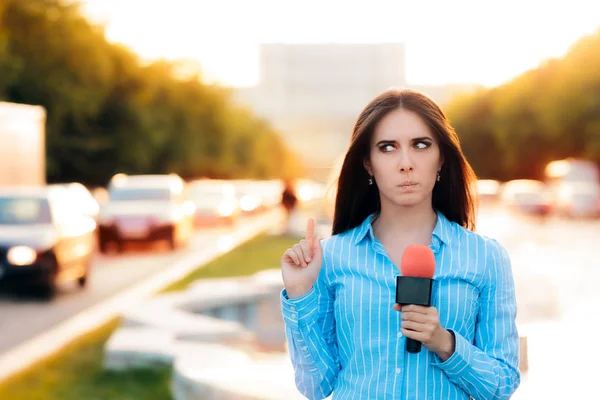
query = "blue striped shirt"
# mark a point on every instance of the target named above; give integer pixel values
(344, 337)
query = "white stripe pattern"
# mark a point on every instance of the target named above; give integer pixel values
(343, 335)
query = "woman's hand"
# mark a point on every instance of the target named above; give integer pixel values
(423, 324)
(301, 264)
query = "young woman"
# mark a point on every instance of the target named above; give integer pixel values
(404, 181)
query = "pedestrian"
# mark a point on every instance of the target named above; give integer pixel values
(289, 201)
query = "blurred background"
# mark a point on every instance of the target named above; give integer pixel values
(135, 135)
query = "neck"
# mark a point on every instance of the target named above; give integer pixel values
(410, 224)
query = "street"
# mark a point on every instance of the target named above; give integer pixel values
(23, 315)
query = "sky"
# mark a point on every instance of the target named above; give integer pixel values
(484, 42)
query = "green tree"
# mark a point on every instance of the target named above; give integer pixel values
(108, 112)
(550, 112)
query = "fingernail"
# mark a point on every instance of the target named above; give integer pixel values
(308, 259)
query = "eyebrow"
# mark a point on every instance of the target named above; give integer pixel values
(422, 138)
(417, 139)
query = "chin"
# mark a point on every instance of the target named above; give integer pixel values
(407, 203)
(410, 200)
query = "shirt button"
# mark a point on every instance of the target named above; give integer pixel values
(398, 370)
(294, 315)
(399, 334)
(292, 308)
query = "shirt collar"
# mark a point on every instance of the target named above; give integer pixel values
(441, 231)
(364, 229)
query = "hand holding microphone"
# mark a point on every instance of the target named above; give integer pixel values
(301, 264)
(420, 322)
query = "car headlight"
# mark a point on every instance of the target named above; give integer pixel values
(305, 193)
(249, 202)
(226, 208)
(21, 255)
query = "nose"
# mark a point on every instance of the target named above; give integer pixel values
(405, 163)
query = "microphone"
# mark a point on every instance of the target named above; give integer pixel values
(414, 286)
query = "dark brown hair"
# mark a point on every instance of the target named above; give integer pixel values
(452, 195)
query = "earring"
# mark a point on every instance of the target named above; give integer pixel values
(370, 180)
(438, 176)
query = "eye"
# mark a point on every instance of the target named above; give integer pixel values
(422, 145)
(386, 148)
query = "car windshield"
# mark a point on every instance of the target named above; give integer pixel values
(140, 194)
(24, 211)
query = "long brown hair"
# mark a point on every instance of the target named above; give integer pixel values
(452, 195)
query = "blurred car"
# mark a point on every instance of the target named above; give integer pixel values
(578, 199)
(309, 191)
(270, 192)
(487, 190)
(83, 199)
(528, 196)
(249, 196)
(145, 208)
(215, 201)
(576, 184)
(100, 194)
(44, 239)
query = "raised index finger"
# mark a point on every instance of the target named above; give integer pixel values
(310, 232)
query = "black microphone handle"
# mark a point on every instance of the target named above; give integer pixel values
(413, 346)
(412, 290)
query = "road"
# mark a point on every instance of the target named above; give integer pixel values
(23, 316)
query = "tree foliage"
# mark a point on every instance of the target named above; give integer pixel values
(551, 112)
(108, 112)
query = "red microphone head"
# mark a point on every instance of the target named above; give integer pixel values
(418, 261)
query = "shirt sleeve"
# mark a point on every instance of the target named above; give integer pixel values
(489, 368)
(311, 337)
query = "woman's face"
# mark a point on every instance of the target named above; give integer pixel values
(404, 158)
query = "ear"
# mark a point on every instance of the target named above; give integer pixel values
(441, 163)
(367, 165)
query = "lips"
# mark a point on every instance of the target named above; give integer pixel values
(408, 184)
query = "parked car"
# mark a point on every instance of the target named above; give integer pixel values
(145, 208)
(44, 240)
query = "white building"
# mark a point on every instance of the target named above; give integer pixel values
(313, 93)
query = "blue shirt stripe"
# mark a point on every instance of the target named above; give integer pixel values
(344, 337)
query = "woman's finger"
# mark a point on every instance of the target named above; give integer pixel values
(414, 326)
(306, 250)
(291, 255)
(411, 334)
(310, 232)
(415, 317)
(417, 309)
(298, 250)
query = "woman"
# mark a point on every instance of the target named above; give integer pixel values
(404, 181)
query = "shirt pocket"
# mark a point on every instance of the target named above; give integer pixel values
(456, 302)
